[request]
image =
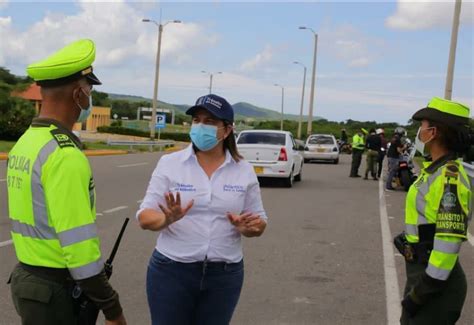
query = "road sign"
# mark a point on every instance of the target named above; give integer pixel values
(160, 121)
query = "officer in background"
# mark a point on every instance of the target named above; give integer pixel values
(438, 208)
(382, 152)
(51, 199)
(358, 145)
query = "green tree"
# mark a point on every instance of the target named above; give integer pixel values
(100, 98)
(15, 116)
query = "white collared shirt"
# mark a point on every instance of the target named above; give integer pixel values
(205, 231)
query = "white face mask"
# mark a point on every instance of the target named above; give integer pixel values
(420, 145)
(85, 112)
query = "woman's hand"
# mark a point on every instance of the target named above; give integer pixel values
(173, 210)
(248, 224)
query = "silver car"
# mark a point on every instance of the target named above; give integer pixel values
(321, 147)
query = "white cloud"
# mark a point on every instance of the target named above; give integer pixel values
(349, 45)
(262, 58)
(3, 4)
(120, 35)
(423, 14)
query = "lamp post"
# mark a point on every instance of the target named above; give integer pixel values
(448, 91)
(302, 98)
(282, 101)
(211, 75)
(313, 79)
(157, 71)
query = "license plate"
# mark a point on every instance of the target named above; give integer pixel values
(258, 170)
(320, 150)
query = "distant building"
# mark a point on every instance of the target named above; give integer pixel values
(100, 116)
(31, 94)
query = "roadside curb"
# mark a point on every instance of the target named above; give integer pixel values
(105, 152)
(93, 153)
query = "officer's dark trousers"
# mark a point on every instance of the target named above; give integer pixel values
(442, 309)
(39, 301)
(356, 160)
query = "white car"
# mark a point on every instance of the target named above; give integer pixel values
(321, 147)
(273, 154)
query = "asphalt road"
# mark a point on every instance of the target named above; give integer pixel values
(320, 261)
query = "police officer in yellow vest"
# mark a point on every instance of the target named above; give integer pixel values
(51, 199)
(358, 145)
(438, 208)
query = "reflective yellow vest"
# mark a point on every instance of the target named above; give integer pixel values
(441, 195)
(51, 199)
(358, 142)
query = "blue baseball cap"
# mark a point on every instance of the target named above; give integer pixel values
(215, 105)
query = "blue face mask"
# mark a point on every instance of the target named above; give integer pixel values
(204, 136)
(84, 112)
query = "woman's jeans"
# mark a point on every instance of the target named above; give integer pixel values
(192, 293)
(392, 170)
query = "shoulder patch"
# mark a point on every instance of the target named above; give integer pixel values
(451, 219)
(62, 139)
(452, 169)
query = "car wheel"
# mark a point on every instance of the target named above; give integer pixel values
(298, 177)
(288, 182)
(336, 161)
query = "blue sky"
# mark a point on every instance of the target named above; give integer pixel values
(376, 60)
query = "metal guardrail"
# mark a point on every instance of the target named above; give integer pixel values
(151, 144)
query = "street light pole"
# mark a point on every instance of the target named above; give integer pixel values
(313, 80)
(157, 73)
(302, 98)
(282, 103)
(211, 76)
(448, 91)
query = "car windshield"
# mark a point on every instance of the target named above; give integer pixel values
(262, 138)
(321, 140)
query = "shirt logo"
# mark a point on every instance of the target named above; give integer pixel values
(180, 187)
(61, 137)
(449, 200)
(234, 188)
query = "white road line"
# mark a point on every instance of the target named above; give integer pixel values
(392, 292)
(99, 214)
(133, 165)
(3, 179)
(470, 238)
(6, 243)
(139, 201)
(116, 209)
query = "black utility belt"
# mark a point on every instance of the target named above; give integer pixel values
(418, 253)
(59, 275)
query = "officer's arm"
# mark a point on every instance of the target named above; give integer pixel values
(99, 290)
(69, 194)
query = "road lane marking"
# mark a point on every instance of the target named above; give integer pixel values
(3, 179)
(470, 238)
(99, 214)
(133, 165)
(6, 243)
(116, 209)
(392, 292)
(139, 201)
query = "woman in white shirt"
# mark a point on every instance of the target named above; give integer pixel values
(202, 200)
